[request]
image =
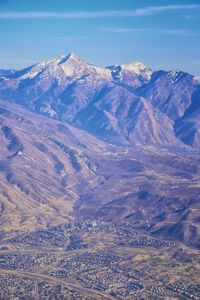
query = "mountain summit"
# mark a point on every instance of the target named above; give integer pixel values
(138, 68)
(123, 104)
(69, 65)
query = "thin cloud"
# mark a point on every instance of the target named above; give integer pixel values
(188, 17)
(160, 9)
(146, 11)
(176, 32)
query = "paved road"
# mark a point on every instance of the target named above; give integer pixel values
(93, 294)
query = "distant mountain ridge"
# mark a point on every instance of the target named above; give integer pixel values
(121, 104)
(6, 72)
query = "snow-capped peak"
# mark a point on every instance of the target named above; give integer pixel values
(73, 67)
(69, 57)
(139, 69)
(70, 65)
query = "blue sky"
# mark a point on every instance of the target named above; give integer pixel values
(162, 34)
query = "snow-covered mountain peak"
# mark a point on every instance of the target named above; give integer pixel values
(69, 57)
(135, 66)
(72, 65)
(139, 69)
(69, 65)
(134, 72)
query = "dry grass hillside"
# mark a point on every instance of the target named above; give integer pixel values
(51, 173)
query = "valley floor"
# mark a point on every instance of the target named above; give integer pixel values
(91, 259)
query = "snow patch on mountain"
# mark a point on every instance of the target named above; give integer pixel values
(139, 69)
(48, 67)
(102, 72)
(197, 79)
(174, 76)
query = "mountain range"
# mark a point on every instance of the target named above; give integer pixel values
(122, 104)
(119, 143)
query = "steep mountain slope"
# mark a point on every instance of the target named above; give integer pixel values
(170, 92)
(41, 161)
(6, 72)
(51, 173)
(120, 117)
(120, 104)
(187, 128)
